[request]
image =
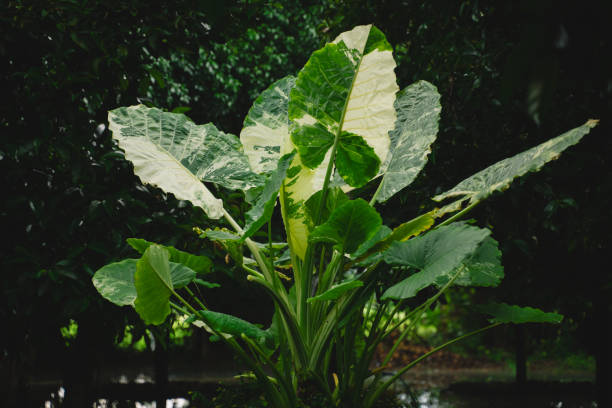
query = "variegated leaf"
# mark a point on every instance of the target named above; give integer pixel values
(169, 151)
(418, 112)
(501, 174)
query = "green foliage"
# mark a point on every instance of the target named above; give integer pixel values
(324, 308)
(348, 226)
(503, 313)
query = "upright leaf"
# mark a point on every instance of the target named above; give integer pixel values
(199, 263)
(172, 153)
(350, 225)
(346, 89)
(504, 313)
(501, 174)
(153, 285)
(435, 254)
(418, 112)
(345, 92)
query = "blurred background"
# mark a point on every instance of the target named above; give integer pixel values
(511, 75)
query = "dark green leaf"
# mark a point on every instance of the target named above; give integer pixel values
(350, 225)
(153, 285)
(504, 313)
(437, 253)
(336, 291)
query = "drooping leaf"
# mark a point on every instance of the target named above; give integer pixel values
(199, 263)
(501, 174)
(336, 291)
(115, 281)
(235, 326)
(504, 313)
(266, 126)
(418, 112)
(262, 209)
(350, 225)
(153, 285)
(346, 90)
(437, 253)
(483, 268)
(169, 151)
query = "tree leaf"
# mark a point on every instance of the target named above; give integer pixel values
(199, 263)
(504, 313)
(336, 291)
(115, 281)
(266, 126)
(347, 89)
(153, 285)
(235, 326)
(418, 112)
(501, 174)
(172, 153)
(350, 225)
(437, 253)
(262, 209)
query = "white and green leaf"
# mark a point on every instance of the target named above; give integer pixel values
(346, 92)
(266, 126)
(346, 89)
(418, 113)
(169, 151)
(501, 174)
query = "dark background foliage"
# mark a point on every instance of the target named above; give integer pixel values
(511, 75)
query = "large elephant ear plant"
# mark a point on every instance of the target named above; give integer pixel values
(309, 140)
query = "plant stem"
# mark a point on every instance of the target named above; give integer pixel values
(373, 199)
(251, 245)
(373, 397)
(417, 318)
(458, 215)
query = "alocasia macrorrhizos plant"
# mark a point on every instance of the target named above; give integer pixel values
(307, 141)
